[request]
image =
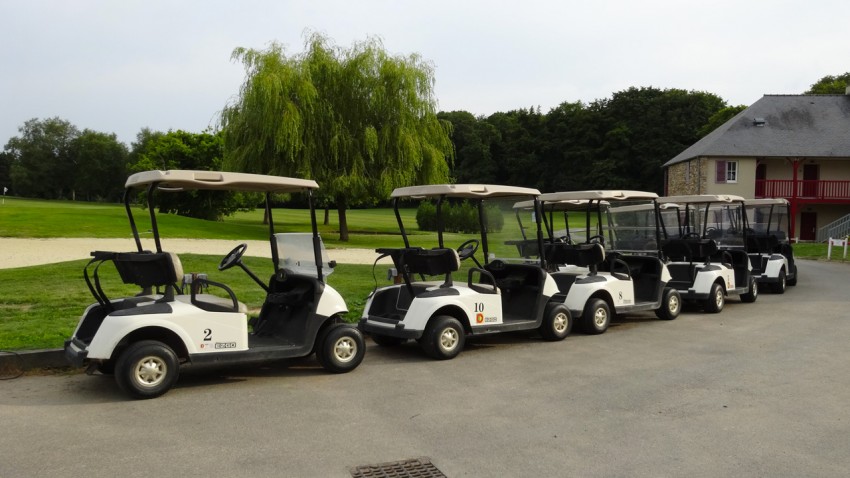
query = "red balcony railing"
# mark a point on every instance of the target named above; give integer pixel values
(817, 189)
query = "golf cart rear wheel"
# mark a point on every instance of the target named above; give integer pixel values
(557, 322)
(341, 348)
(671, 304)
(443, 338)
(716, 299)
(596, 317)
(147, 369)
(779, 286)
(752, 293)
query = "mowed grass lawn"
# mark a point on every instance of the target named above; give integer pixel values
(40, 305)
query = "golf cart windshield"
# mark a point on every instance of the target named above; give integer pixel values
(768, 217)
(707, 216)
(620, 220)
(295, 254)
(481, 206)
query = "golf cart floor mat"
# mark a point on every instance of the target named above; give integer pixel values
(414, 467)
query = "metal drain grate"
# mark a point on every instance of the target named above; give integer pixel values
(413, 468)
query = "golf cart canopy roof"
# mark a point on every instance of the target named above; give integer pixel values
(701, 198)
(469, 191)
(765, 202)
(617, 195)
(566, 205)
(179, 179)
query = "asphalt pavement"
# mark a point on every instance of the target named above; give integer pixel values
(760, 389)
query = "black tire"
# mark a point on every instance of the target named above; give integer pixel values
(596, 317)
(792, 281)
(779, 286)
(443, 338)
(557, 322)
(752, 292)
(386, 340)
(716, 299)
(341, 348)
(671, 304)
(106, 368)
(147, 369)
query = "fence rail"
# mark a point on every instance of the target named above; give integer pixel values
(814, 189)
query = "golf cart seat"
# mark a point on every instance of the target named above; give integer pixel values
(431, 262)
(582, 255)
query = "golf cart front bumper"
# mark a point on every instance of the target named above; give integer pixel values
(76, 352)
(388, 327)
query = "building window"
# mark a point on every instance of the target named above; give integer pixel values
(727, 172)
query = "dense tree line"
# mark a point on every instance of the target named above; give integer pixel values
(616, 142)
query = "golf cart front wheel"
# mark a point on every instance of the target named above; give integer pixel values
(557, 322)
(671, 304)
(779, 285)
(752, 293)
(716, 299)
(341, 348)
(443, 338)
(596, 317)
(147, 369)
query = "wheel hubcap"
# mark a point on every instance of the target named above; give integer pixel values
(150, 371)
(673, 305)
(345, 349)
(600, 317)
(560, 323)
(448, 339)
(718, 297)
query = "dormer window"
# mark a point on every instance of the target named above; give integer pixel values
(759, 122)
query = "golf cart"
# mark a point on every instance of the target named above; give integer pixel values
(611, 265)
(508, 294)
(179, 318)
(768, 244)
(704, 238)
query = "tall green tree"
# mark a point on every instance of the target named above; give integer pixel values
(184, 150)
(472, 138)
(830, 84)
(359, 120)
(100, 162)
(43, 163)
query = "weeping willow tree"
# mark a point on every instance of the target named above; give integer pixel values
(359, 121)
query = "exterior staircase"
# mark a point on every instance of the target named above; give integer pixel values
(836, 229)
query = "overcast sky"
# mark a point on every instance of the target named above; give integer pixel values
(117, 66)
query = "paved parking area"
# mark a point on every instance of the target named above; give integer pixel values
(759, 390)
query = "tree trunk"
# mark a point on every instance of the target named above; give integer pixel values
(343, 222)
(327, 215)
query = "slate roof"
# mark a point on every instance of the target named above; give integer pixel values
(794, 126)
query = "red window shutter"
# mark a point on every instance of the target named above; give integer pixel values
(720, 176)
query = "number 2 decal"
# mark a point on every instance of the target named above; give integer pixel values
(207, 335)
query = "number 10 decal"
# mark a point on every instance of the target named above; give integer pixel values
(479, 307)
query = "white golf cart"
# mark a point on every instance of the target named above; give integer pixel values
(768, 244)
(703, 241)
(176, 318)
(611, 265)
(509, 294)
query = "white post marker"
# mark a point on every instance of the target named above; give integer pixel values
(838, 243)
(4, 194)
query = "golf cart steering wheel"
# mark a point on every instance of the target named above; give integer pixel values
(467, 249)
(232, 257)
(597, 239)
